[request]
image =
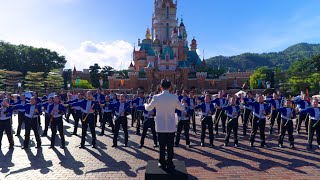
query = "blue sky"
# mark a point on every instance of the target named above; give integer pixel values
(104, 31)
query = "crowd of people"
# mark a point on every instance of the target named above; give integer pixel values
(110, 110)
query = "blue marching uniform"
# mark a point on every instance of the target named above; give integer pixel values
(233, 113)
(46, 117)
(121, 111)
(286, 114)
(77, 114)
(149, 123)
(302, 105)
(191, 103)
(5, 124)
(314, 124)
(221, 102)
(100, 98)
(260, 111)
(21, 117)
(183, 123)
(207, 110)
(107, 116)
(247, 114)
(56, 112)
(139, 110)
(87, 106)
(275, 114)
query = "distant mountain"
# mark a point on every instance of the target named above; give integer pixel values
(250, 61)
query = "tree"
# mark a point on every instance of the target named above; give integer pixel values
(27, 58)
(94, 75)
(105, 72)
(261, 74)
(83, 84)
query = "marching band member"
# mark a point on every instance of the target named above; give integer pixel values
(122, 109)
(139, 103)
(47, 115)
(5, 122)
(77, 113)
(260, 111)
(107, 115)
(275, 104)
(56, 110)
(247, 113)
(314, 125)
(149, 123)
(233, 112)
(302, 104)
(220, 103)
(100, 98)
(134, 111)
(287, 114)
(208, 110)
(183, 123)
(191, 101)
(32, 113)
(21, 112)
(88, 107)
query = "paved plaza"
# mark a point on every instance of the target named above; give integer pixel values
(106, 162)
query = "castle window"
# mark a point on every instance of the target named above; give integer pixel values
(167, 31)
(167, 12)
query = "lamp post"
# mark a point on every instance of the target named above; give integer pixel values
(68, 85)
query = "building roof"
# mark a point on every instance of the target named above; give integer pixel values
(149, 65)
(167, 51)
(193, 57)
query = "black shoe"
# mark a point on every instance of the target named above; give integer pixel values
(211, 145)
(114, 145)
(244, 134)
(94, 147)
(309, 146)
(51, 147)
(188, 146)
(235, 145)
(81, 147)
(225, 144)
(217, 133)
(195, 132)
(176, 145)
(280, 145)
(62, 146)
(141, 146)
(292, 146)
(38, 146)
(44, 135)
(298, 132)
(170, 167)
(270, 131)
(138, 133)
(101, 134)
(202, 144)
(74, 134)
(24, 147)
(161, 165)
(17, 135)
(319, 146)
(125, 145)
(10, 147)
(251, 144)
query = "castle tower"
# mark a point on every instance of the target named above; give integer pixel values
(193, 45)
(164, 20)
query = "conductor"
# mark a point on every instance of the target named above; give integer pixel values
(165, 104)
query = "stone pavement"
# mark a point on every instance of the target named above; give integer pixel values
(106, 162)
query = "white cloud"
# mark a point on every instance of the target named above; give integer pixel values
(116, 54)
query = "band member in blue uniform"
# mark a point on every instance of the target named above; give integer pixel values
(139, 102)
(275, 104)
(149, 123)
(233, 112)
(220, 103)
(107, 115)
(46, 106)
(191, 101)
(287, 114)
(314, 124)
(184, 95)
(247, 112)
(77, 112)
(134, 110)
(183, 123)
(207, 110)
(122, 109)
(56, 111)
(302, 104)
(32, 113)
(21, 112)
(99, 98)
(88, 107)
(5, 122)
(260, 110)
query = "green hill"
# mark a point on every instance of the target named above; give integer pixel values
(250, 61)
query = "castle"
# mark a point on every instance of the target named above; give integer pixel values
(165, 53)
